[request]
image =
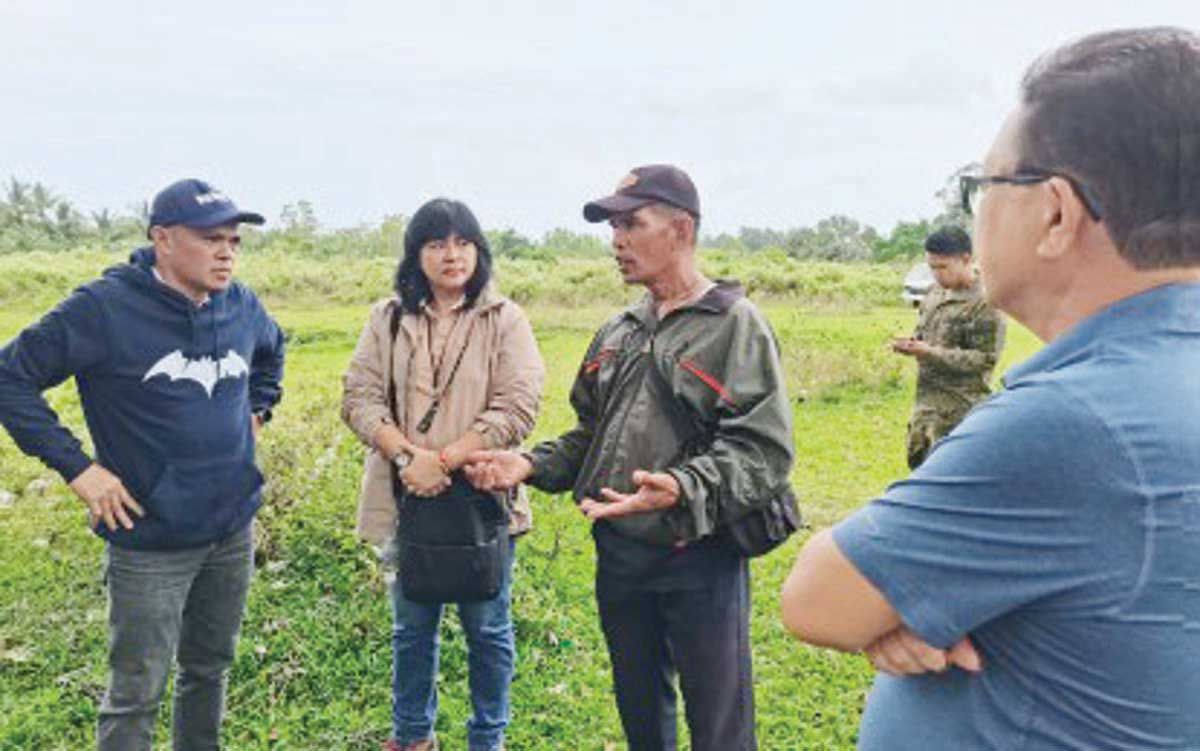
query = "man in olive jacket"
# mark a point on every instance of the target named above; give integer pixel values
(683, 425)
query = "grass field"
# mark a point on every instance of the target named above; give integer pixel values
(314, 661)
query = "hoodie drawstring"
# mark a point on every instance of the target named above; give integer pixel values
(212, 319)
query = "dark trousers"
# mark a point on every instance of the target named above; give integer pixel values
(182, 606)
(703, 635)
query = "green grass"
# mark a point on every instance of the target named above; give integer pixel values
(313, 665)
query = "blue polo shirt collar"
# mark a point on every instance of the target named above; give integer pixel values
(1170, 306)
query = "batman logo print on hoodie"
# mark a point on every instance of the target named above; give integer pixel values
(203, 370)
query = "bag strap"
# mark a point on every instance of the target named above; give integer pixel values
(393, 329)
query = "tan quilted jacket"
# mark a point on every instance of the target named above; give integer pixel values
(496, 392)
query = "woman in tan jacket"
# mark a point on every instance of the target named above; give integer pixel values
(466, 375)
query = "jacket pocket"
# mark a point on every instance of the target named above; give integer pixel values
(197, 496)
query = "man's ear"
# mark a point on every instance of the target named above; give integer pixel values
(1065, 219)
(685, 227)
(159, 236)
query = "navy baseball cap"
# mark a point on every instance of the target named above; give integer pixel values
(652, 183)
(195, 203)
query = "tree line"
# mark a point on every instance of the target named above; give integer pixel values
(35, 218)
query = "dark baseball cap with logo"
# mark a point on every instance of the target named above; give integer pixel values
(195, 203)
(652, 183)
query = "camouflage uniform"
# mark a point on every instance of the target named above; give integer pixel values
(967, 336)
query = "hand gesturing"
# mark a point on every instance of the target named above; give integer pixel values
(655, 490)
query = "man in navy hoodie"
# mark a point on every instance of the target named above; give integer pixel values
(177, 368)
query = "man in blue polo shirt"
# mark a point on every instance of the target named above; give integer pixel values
(1035, 584)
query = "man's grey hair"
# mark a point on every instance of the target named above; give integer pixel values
(667, 211)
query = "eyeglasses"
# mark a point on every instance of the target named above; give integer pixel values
(971, 188)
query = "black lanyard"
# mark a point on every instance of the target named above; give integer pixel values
(427, 419)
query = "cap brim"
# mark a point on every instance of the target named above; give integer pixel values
(231, 216)
(603, 208)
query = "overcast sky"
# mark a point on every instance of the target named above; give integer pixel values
(783, 112)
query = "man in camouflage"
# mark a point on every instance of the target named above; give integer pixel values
(957, 342)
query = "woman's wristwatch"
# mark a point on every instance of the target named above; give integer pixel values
(402, 459)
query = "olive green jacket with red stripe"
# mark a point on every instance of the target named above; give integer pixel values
(699, 394)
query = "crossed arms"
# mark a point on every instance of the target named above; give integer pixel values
(826, 602)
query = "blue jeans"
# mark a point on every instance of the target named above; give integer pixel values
(490, 655)
(165, 605)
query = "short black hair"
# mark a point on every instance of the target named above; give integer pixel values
(948, 241)
(437, 220)
(1119, 112)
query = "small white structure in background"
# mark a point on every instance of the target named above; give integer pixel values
(917, 282)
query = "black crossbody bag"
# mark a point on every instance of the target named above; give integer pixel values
(452, 547)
